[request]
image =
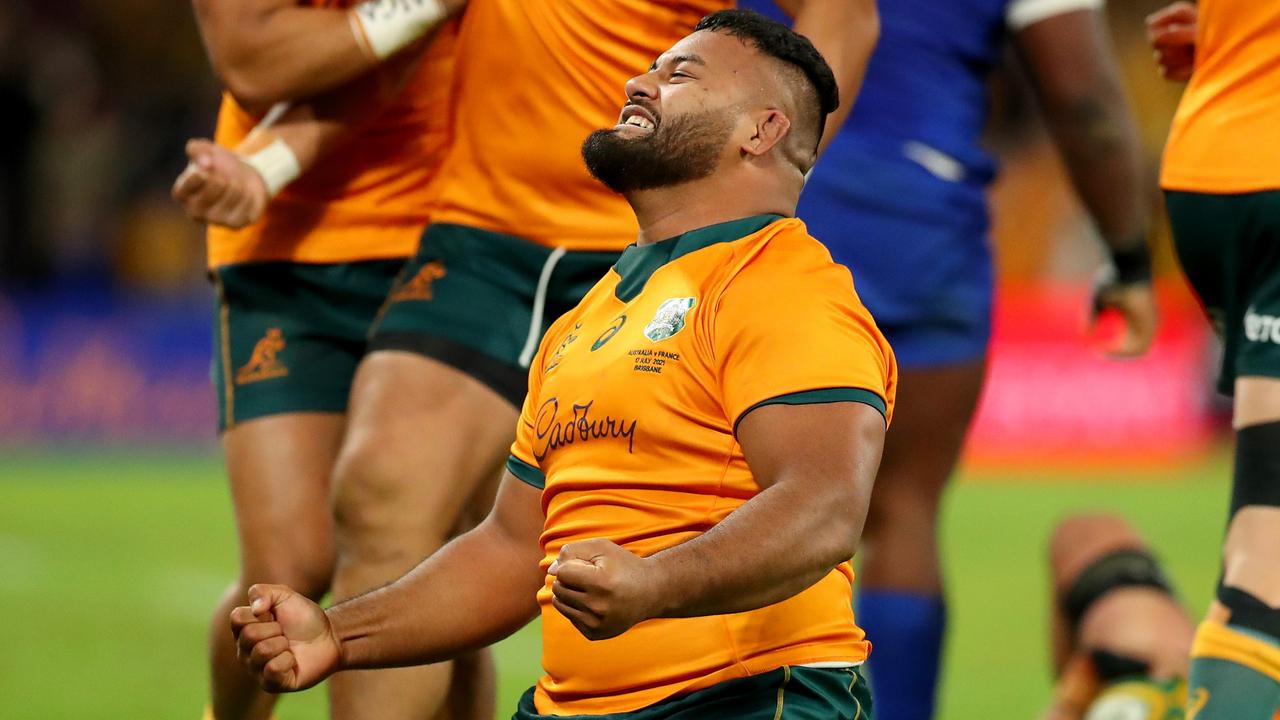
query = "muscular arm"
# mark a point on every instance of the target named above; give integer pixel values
(1076, 79)
(475, 591)
(815, 464)
(472, 592)
(268, 51)
(845, 32)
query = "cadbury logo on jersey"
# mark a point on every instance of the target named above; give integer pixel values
(553, 432)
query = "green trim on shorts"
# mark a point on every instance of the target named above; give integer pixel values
(821, 397)
(526, 473)
(288, 336)
(788, 693)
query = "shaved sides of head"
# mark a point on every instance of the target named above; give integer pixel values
(809, 86)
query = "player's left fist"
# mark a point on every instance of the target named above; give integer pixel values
(601, 588)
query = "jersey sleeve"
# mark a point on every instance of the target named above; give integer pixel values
(798, 335)
(1020, 14)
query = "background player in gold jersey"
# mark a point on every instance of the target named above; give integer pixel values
(299, 288)
(1221, 176)
(519, 232)
(1120, 637)
(705, 426)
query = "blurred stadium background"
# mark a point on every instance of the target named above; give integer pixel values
(116, 535)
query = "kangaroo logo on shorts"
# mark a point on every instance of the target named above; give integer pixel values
(669, 319)
(265, 362)
(420, 286)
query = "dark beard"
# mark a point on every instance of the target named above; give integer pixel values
(681, 149)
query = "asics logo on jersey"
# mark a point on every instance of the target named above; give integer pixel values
(608, 334)
(265, 362)
(553, 432)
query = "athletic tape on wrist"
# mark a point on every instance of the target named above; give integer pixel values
(277, 165)
(1132, 266)
(384, 27)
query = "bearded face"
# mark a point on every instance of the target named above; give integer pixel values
(646, 151)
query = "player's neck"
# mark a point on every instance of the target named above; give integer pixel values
(670, 211)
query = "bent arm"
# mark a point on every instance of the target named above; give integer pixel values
(269, 51)
(816, 465)
(475, 591)
(1076, 79)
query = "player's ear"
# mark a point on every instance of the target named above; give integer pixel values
(771, 127)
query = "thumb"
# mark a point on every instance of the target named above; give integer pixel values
(263, 599)
(199, 146)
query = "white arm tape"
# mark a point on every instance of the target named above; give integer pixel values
(277, 165)
(388, 26)
(1021, 14)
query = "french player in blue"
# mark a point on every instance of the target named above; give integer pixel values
(900, 197)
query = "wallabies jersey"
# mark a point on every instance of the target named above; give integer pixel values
(535, 77)
(367, 200)
(1226, 134)
(629, 429)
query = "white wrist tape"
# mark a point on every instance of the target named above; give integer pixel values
(277, 165)
(385, 27)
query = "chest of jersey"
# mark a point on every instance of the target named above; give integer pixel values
(628, 384)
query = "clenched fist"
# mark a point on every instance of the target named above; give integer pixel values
(284, 639)
(220, 188)
(602, 588)
(1172, 33)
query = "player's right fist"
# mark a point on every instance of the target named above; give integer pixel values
(284, 639)
(1172, 33)
(219, 188)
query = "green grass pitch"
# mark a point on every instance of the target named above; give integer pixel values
(111, 563)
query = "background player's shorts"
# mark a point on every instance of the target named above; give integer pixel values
(288, 336)
(918, 250)
(1229, 247)
(480, 301)
(789, 693)
(1140, 699)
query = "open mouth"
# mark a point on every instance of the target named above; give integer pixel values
(638, 117)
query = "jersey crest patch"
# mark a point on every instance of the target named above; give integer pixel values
(669, 319)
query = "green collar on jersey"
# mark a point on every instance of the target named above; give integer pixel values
(639, 262)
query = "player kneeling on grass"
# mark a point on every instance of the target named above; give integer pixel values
(1120, 637)
(695, 456)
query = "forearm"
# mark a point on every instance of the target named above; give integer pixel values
(775, 545)
(1076, 78)
(475, 591)
(1099, 145)
(315, 128)
(845, 32)
(269, 52)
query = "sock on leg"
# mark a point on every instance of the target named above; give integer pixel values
(907, 630)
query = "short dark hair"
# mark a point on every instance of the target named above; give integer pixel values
(781, 42)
